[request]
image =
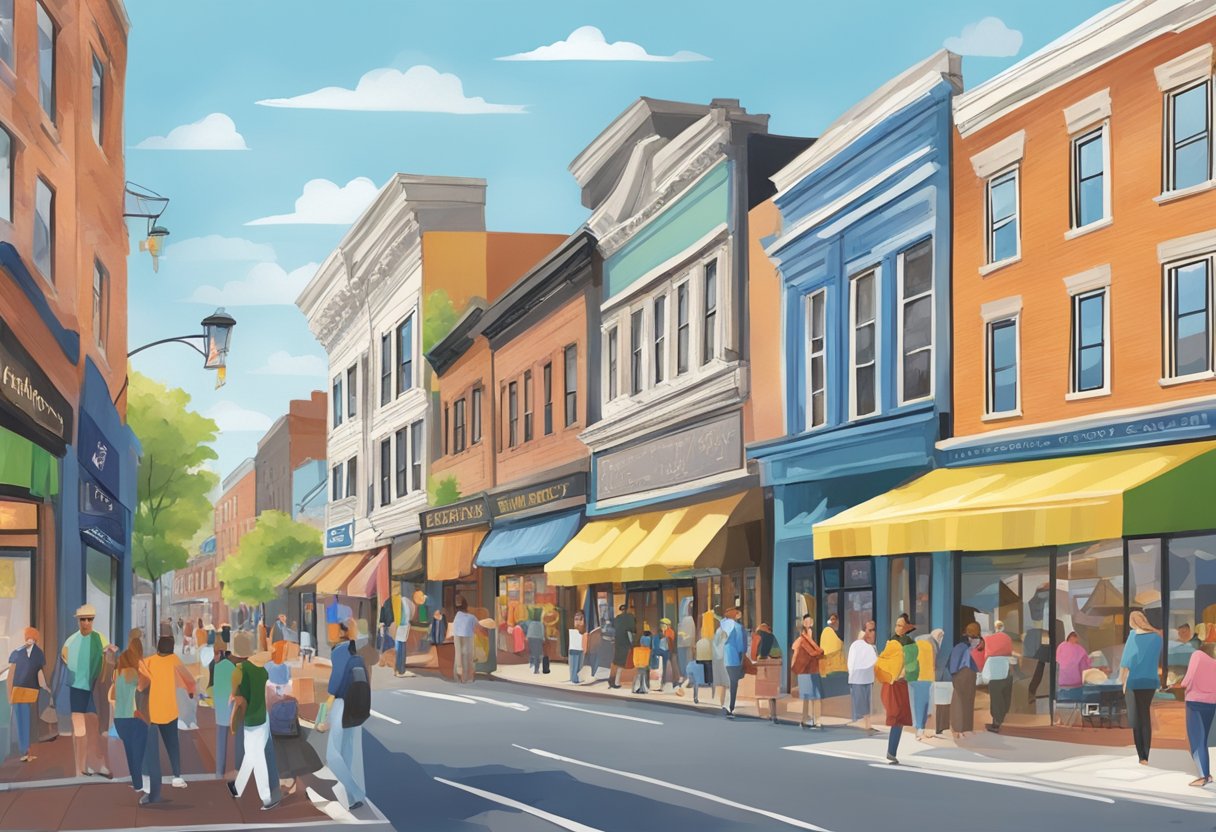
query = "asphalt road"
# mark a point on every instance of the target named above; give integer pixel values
(523, 759)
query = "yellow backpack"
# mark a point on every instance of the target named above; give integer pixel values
(890, 663)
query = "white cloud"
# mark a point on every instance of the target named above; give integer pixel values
(989, 38)
(232, 418)
(214, 132)
(420, 89)
(326, 203)
(216, 247)
(283, 363)
(587, 43)
(266, 284)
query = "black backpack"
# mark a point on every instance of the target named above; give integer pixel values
(357, 700)
(545, 664)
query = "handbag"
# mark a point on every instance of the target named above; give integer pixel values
(943, 693)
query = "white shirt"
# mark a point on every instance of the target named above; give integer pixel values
(403, 631)
(576, 639)
(861, 661)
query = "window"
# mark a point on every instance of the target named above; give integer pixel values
(335, 490)
(352, 477)
(513, 414)
(386, 370)
(46, 62)
(101, 305)
(44, 229)
(635, 352)
(352, 374)
(1089, 341)
(612, 364)
(709, 340)
(1188, 137)
(99, 81)
(1003, 366)
(660, 337)
(682, 329)
(6, 31)
(547, 383)
(527, 405)
(416, 456)
(6, 174)
(816, 359)
(458, 426)
(446, 428)
(405, 355)
(475, 429)
(916, 322)
(571, 379)
(402, 463)
(1089, 178)
(1189, 318)
(1003, 238)
(337, 400)
(863, 370)
(386, 471)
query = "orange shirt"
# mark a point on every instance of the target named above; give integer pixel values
(162, 696)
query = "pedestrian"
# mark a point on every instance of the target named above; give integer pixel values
(166, 675)
(26, 676)
(833, 660)
(401, 637)
(861, 660)
(920, 688)
(962, 668)
(1187, 637)
(734, 649)
(291, 752)
(685, 640)
(206, 649)
(535, 632)
(892, 664)
(307, 651)
(278, 633)
(721, 684)
(463, 628)
(804, 664)
(575, 638)
(83, 655)
(662, 645)
(277, 670)
(438, 631)
(1139, 673)
(344, 750)
(998, 655)
(188, 637)
(130, 678)
(222, 671)
(1200, 686)
(701, 669)
(641, 662)
(626, 627)
(911, 656)
(943, 686)
(249, 698)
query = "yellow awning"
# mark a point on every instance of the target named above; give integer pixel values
(645, 547)
(310, 575)
(449, 557)
(1019, 505)
(333, 581)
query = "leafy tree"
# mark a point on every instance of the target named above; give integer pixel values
(173, 484)
(273, 549)
(439, 317)
(443, 492)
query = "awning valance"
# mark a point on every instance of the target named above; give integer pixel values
(529, 542)
(335, 579)
(406, 554)
(449, 557)
(1044, 502)
(309, 576)
(648, 547)
(372, 580)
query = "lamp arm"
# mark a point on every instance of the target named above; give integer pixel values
(181, 339)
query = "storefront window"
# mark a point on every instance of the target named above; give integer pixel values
(910, 583)
(16, 597)
(1192, 601)
(804, 598)
(1090, 601)
(101, 590)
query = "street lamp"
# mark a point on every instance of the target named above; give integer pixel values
(216, 339)
(143, 203)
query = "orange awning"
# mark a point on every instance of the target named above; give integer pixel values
(335, 580)
(449, 557)
(372, 580)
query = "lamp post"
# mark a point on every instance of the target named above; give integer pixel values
(216, 339)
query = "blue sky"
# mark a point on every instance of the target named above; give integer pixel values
(802, 62)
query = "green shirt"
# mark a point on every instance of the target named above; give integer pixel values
(84, 658)
(253, 688)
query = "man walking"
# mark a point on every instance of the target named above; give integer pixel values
(998, 650)
(222, 671)
(278, 633)
(83, 655)
(344, 750)
(462, 635)
(249, 697)
(402, 637)
(626, 627)
(733, 652)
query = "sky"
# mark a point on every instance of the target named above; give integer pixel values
(270, 125)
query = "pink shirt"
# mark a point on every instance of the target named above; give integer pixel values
(998, 644)
(1200, 679)
(1073, 661)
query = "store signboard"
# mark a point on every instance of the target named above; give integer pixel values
(521, 500)
(683, 456)
(26, 388)
(461, 515)
(338, 536)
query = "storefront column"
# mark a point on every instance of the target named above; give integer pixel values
(881, 572)
(70, 560)
(942, 608)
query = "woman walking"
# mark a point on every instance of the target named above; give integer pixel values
(805, 665)
(26, 676)
(1139, 675)
(861, 660)
(963, 669)
(1200, 686)
(895, 701)
(131, 677)
(576, 636)
(165, 672)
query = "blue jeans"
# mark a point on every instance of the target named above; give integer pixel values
(893, 740)
(400, 645)
(1198, 725)
(922, 698)
(344, 755)
(683, 654)
(23, 715)
(734, 673)
(576, 664)
(536, 648)
(156, 733)
(134, 735)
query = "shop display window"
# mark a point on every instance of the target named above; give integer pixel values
(101, 590)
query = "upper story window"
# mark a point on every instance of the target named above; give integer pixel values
(6, 32)
(386, 369)
(416, 452)
(1088, 364)
(386, 471)
(101, 305)
(660, 338)
(402, 466)
(527, 405)
(352, 398)
(1189, 318)
(863, 335)
(352, 477)
(547, 383)
(1002, 366)
(613, 362)
(1003, 232)
(6, 175)
(916, 322)
(709, 345)
(405, 355)
(683, 328)
(816, 359)
(458, 426)
(512, 414)
(636, 321)
(47, 33)
(335, 489)
(337, 400)
(475, 422)
(44, 229)
(570, 377)
(447, 428)
(1188, 130)
(1090, 186)
(99, 92)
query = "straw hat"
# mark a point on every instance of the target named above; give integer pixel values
(86, 611)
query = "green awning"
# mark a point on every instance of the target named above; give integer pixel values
(25, 465)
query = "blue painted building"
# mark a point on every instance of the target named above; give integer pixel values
(864, 259)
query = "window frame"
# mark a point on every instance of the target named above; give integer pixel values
(386, 471)
(709, 313)
(570, 383)
(683, 295)
(658, 337)
(352, 476)
(48, 274)
(1099, 132)
(42, 12)
(547, 385)
(386, 368)
(476, 397)
(1075, 347)
(637, 351)
(990, 370)
(101, 305)
(404, 364)
(416, 454)
(1170, 329)
(1170, 145)
(352, 391)
(401, 463)
(874, 273)
(1014, 174)
(6, 205)
(459, 425)
(512, 414)
(8, 7)
(447, 427)
(931, 293)
(612, 347)
(338, 401)
(97, 91)
(809, 417)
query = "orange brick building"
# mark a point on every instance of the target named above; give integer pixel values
(235, 515)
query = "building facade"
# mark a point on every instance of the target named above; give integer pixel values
(296, 436)
(309, 489)
(235, 516)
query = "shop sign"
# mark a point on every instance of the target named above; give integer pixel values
(538, 496)
(456, 516)
(28, 389)
(339, 536)
(97, 455)
(102, 519)
(684, 456)
(1174, 427)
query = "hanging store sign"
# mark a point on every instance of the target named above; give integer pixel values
(97, 455)
(684, 456)
(339, 536)
(473, 512)
(538, 496)
(26, 388)
(102, 520)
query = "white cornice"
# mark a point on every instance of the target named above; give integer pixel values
(998, 156)
(237, 475)
(609, 142)
(1187, 68)
(1098, 40)
(1190, 246)
(1087, 112)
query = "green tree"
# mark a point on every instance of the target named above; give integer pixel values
(273, 549)
(173, 484)
(439, 317)
(443, 492)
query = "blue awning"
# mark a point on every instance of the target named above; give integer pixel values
(531, 542)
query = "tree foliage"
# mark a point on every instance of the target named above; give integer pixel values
(443, 492)
(439, 317)
(173, 484)
(268, 554)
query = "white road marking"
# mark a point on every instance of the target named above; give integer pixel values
(556, 820)
(601, 713)
(447, 697)
(801, 824)
(515, 706)
(1013, 784)
(379, 715)
(844, 755)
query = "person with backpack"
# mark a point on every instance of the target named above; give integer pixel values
(249, 697)
(349, 706)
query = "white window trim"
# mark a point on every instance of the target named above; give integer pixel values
(875, 272)
(1185, 69)
(899, 322)
(1169, 193)
(1184, 248)
(1074, 298)
(664, 361)
(1088, 112)
(1004, 308)
(606, 378)
(685, 281)
(1000, 156)
(992, 265)
(1074, 181)
(1167, 329)
(996, 415)
(808, 306)
(1089, 280)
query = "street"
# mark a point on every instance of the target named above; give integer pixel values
(504, 757)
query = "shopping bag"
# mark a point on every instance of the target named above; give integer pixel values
(641, 657)
(943, 693)
(696, 672)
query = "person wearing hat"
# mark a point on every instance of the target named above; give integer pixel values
(733, 651)
(963, 669)
(626, 627)
(83, 655)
